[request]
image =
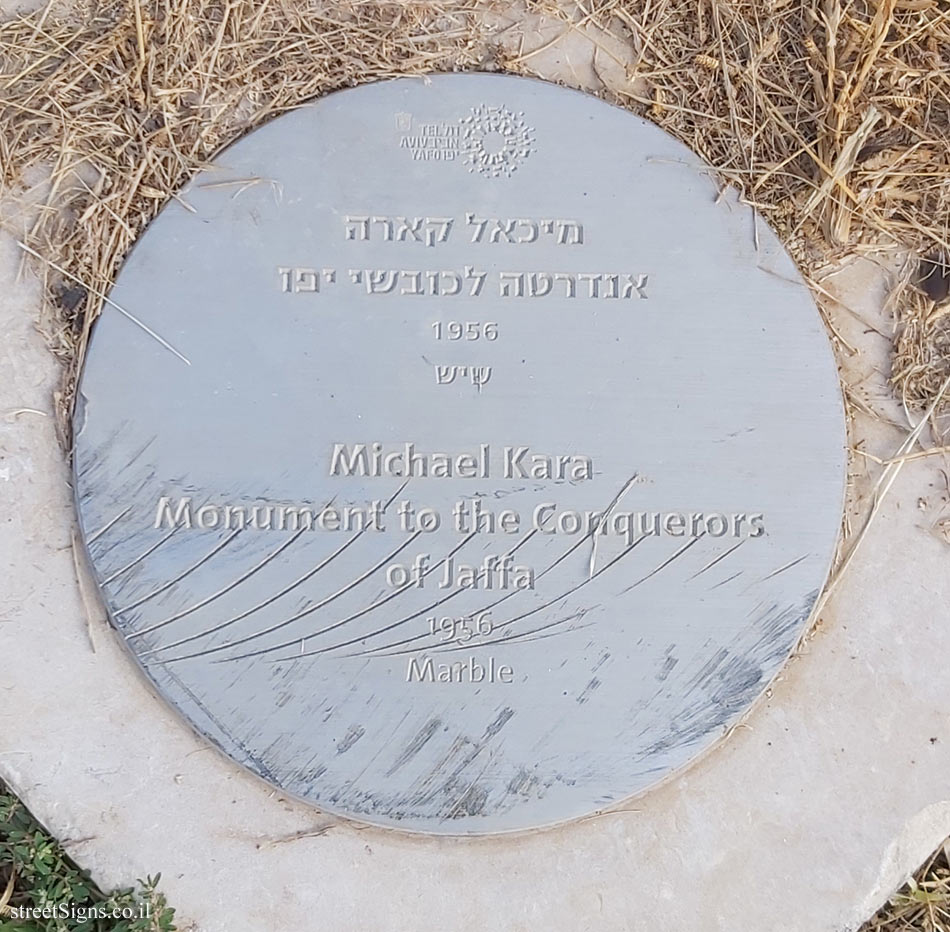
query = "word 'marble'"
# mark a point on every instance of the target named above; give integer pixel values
(459, 671)
(404, 462)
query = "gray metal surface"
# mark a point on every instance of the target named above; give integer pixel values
(544, 296)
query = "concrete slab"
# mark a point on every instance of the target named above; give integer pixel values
(805, 818)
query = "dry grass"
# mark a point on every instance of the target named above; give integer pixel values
(923, 905)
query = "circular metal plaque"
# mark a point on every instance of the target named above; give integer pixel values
(455, 456)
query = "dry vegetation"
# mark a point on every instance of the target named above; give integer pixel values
(923, 905)
(832, 117)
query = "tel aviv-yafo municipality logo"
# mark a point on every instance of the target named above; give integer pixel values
(493, 141)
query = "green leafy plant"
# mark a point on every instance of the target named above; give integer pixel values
(43, 890)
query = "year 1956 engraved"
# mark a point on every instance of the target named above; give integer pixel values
(449, 628)
(470, 330)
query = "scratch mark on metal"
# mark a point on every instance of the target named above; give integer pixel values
(787, 566)
(145, 598)
(728, 579)
(353, 734)
(416, 744)
(138, 559)
(502, 719)
(187, 611)
(103, 530)
(475, 806)
(422, 611)
(250, 611)
(301, 614)
(351, 783)
(364, 611)
(721, 556)
(585, 694)
(574, 588)
(504, 598)
(308, 575)
(664, 564)
(603, 521)
(547, 604)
